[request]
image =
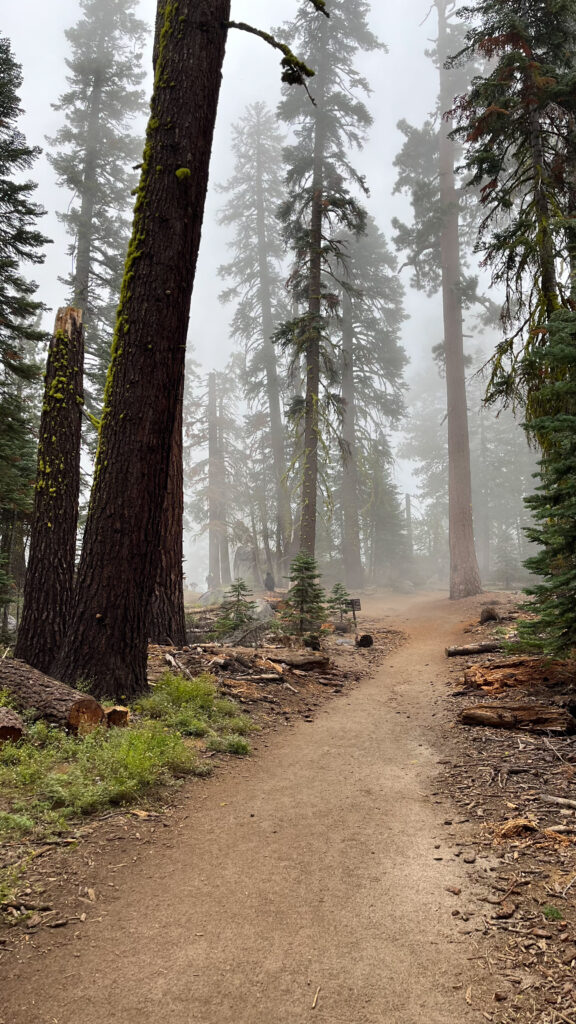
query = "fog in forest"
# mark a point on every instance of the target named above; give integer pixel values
(411, 549)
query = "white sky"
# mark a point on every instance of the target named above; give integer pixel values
(404, 86)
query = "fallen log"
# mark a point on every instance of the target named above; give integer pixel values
(524, 672)
(488, 647)
(11, 726)
(530, 717)
(54, 701)
(561, 801)
(304, 660)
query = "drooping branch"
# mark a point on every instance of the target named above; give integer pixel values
(295, 71)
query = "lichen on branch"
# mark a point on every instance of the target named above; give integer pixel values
(295, 71)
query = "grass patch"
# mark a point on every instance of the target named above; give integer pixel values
(50, 778)
(193, 708)
(7, 700)
(552, 913)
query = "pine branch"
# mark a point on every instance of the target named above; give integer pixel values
(295, 71)
(320, 6)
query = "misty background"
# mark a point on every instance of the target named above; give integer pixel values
(404, 85)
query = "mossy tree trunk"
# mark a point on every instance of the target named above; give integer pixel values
(106, 641)
(50, 574)
(166, 617)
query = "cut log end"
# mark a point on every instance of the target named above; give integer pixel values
(11, 726)
(117, 717)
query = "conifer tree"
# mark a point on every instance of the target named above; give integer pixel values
(21, 244)
(305, 602)
(93, 155)
(257, 284)
(323, 189)
(554, 504)
(106, 640)
(517, 125)
(436, 200)
(371, 372)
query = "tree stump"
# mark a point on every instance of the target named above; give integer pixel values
(54, 701)
(11, 726)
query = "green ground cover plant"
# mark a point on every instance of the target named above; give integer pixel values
(49, 779)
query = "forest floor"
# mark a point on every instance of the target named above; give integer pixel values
(354, 871)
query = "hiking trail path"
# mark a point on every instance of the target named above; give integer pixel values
(301, 886)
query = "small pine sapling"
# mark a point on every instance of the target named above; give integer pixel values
(237, 608)
(339, 601)
(305, 603)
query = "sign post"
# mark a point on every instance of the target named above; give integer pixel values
(355, 605)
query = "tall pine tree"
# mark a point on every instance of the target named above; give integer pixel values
(323, 201)
(93, 155)
(254, 193)
(436, 236)
(21, 245)
(517, 126)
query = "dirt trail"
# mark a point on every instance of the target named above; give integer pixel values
(310, 867)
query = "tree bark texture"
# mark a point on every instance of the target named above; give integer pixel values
(52, 700)
(166, 617)
(309, 498)
(50, 575)
(353, 568)
(107, 639)
(464, 572)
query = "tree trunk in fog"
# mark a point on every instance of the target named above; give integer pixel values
(107, 639)
(309, 498)
(284, 511)
(353, 569)
(225, 571)
(214, 578)
(50, 575)
(166, 617)
(464, 573)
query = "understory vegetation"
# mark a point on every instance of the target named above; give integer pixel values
(49, 779)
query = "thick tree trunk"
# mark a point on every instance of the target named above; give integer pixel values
(166, 617)
(107, 638)
(214, 575)
(464, 573)
(353, 568)
(309, 498)
(52, 700)
(49, 579)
